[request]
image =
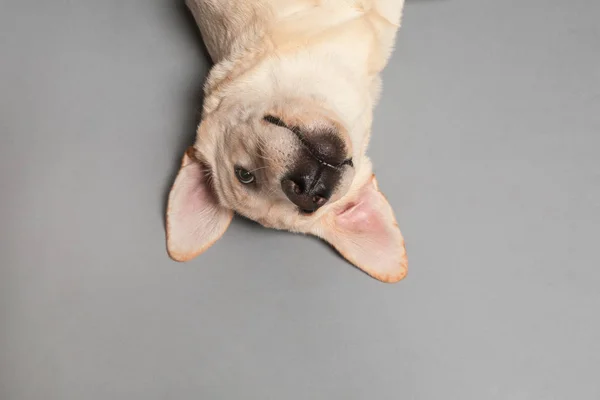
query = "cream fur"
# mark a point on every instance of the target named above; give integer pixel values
(317, 62)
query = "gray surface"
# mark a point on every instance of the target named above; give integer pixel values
(486, 143)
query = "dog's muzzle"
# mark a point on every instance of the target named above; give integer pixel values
(316, 173)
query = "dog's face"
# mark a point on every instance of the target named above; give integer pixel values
(278, 165)
(287, 162)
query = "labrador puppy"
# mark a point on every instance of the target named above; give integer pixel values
(285, 126)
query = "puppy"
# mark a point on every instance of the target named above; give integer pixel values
(285, 126)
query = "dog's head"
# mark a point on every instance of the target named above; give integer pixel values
(287, 162)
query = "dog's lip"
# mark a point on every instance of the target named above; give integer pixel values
(347, 162)
(306, 212)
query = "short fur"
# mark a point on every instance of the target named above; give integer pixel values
(310, 63)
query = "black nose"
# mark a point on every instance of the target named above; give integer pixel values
(305, 200)
(310, 184)
(326, 147)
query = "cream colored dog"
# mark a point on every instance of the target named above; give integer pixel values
(285, 126)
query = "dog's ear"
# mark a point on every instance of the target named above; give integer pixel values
(364, 231)
(195, 219)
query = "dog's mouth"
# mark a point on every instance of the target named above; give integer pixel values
(319, 171)
(306, 213)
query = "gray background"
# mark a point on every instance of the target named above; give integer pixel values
(486, 143)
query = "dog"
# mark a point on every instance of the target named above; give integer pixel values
(285, 125)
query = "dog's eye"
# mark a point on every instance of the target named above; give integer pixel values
(244, 176)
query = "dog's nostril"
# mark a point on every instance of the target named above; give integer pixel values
(319, 200)
(300, 193)
(296, 188)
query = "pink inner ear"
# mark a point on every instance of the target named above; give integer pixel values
(361, 217)
(365, 232)
(195, 220)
